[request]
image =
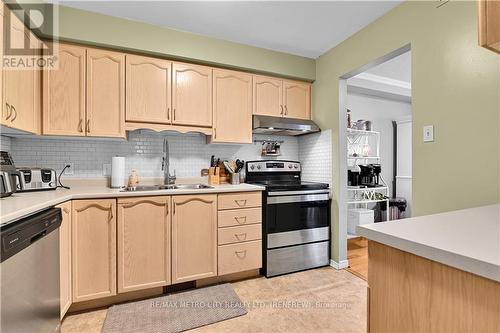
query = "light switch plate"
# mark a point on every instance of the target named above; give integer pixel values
(106, 169)
(429, 133)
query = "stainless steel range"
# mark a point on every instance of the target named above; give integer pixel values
(296, 217)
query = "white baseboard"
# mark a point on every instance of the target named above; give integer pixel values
(339, 265)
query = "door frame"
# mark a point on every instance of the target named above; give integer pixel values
(342, 139)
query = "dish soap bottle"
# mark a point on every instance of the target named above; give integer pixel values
(133, 178)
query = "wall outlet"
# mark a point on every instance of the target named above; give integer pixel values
(70, 169)
(106, 169)
(429, 133)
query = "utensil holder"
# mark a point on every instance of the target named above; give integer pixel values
(235, 178)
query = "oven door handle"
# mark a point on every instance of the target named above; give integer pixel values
(281, 193)
(297, 198)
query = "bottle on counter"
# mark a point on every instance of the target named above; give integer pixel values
(133, 178)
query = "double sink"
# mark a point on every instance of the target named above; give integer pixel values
(165, 187)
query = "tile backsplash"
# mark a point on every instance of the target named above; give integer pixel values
(143, 150)
(315, 155)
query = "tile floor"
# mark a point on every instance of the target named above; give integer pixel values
(319, 300)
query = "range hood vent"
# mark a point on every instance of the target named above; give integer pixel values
(283, 126)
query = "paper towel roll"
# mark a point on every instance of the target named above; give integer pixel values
(117, 171)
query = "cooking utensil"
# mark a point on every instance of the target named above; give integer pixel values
(228, 166)
(212, 161)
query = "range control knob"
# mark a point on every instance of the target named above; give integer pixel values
(258, 167)
(295, 166)
(289, 166)
(252, 167)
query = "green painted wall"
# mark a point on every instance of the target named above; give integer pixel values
(455, 87)
(103, 30)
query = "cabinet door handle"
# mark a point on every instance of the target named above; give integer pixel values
(241, 254)
(174, 114)
(87, 127)
(9, 111)
(215, 133)
(286, 110)
(15, 113)
(110, 212)
(243, 202)
(281, 106)
(168, 113)
(173, 208)
(166, 209)
(244, 218)
(80, 126)
(241, 237)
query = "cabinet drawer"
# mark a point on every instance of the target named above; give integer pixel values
(239, 200)
(239, 234)
(240, 257)
(235, 217)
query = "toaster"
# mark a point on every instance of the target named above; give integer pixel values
(36, 179)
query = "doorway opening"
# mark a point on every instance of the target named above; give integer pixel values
(376, 150)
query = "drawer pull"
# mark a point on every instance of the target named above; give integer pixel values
(241, 237)
(241, 254)
(244, 218)
(241, 203)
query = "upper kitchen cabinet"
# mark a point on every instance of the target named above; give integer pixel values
(148, 90)
(489, 24)
(105, 93)
(64, 93)
(281, 98)
(194, 237)
(22, 86)
(267, 96)
(232, 106)
(93, 250)
(191, 95)
(296, 99)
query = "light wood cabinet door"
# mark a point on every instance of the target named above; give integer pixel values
(22, 87)
(64, 93)
(191, 95)
(148, 89)
(297, 99)
(143, 243)
(194, 237)
(489, 24)
(232, 98)
(93, 249)
(267, 96)
(105, 93)
(65, 257)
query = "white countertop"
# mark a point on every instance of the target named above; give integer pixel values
(21, 204)
(466, 239)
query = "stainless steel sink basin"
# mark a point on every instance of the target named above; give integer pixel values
(191, 186)
(164, 187)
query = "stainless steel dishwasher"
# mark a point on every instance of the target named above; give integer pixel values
(29, 282)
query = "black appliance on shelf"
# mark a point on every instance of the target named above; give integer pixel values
(370, 175)
(295, 217)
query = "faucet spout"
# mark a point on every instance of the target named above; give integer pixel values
(165, 165)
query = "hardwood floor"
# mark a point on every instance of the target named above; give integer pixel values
(357, 254)
(318, 300)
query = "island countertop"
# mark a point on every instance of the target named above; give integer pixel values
(467, 239)
(22, 204)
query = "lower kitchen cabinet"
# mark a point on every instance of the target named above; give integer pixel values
(194, 237)
(65, 257)
(143, 235)
(93, 249)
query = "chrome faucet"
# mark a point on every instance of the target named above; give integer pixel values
(165, 164)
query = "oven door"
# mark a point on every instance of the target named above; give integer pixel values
(297, 217)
